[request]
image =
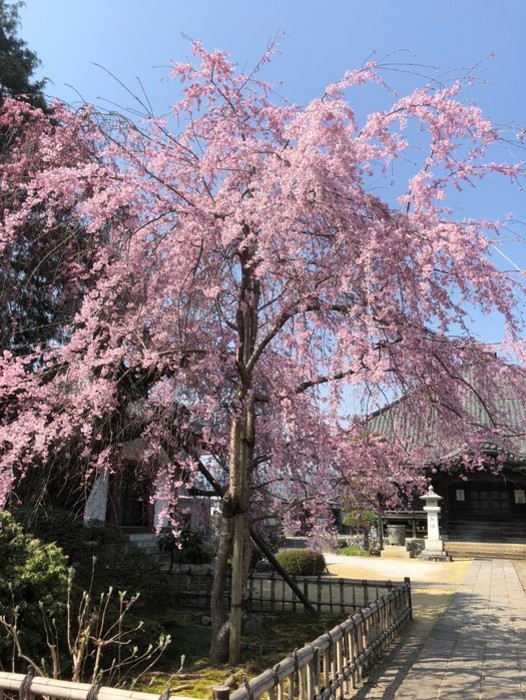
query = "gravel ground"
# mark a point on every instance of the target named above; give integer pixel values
(420, 572)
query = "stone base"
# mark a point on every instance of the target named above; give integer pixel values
(434, 550)
(430, 555)
(433, 545)
(393, 551)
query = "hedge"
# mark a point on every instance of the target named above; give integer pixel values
(302, 562)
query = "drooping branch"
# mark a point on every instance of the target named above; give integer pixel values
(298, 308)
(323, 380)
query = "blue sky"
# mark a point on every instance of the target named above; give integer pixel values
(138, 38)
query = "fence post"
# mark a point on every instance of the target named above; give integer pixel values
(408, 581)
(24, 693)
(306, 587)
(392, 610)
(355, 650)
(303, 682)
(249, 602)
(358, 648)
(220, 692)
(272, 590)
(208, 586)
(316, 671)
(342, 595)
(347, 659)
(365, 585)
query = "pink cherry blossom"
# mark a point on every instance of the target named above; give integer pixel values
(248, 295)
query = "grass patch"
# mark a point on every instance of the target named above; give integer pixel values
(354, 550)
(276, 638)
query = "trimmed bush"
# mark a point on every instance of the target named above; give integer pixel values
(360, 519)
(302, 562)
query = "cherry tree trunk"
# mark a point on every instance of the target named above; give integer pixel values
(233, 540)
(220, 625)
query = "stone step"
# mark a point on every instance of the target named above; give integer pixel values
(142, 536)
(391, 551)
(490, 550)
(147, 543)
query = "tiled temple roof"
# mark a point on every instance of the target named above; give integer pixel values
(504, 414)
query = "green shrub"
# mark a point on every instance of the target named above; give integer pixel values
(354, 550)
(32, 574)
(104, 564)
(189, 548)
(129, 569)
(302, 562)
(116, 565)
(360, 518)
(54, 525)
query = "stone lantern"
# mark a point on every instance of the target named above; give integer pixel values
(434, 547)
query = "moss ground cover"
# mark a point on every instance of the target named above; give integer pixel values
(277, 637)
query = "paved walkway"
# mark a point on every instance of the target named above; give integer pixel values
(477, 649)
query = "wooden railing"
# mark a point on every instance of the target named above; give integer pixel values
(334, 663)
(270, 593)
(27, 687)
(331, 665)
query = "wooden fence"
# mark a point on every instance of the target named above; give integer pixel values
(331, 666)
(335, 663)
(27, 687)
(270, 593)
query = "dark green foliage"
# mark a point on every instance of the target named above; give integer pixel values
(38, 291)
(271, 531)
(104, 564)
(360, 518)
(55, 525)
(31, 571)
(189, 548)
(42, 270)
(17, 62)
(134, 571)
(354, 550)
(302, 562)
(116, 564)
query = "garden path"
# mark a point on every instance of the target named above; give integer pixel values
(475, 648)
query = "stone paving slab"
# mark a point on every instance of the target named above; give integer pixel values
(476, 649)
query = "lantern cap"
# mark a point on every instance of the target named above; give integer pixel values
(431, 495)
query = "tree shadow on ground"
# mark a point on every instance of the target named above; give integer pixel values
(443, 647)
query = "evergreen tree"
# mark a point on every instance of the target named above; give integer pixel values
(17, 62)
(34, 300)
